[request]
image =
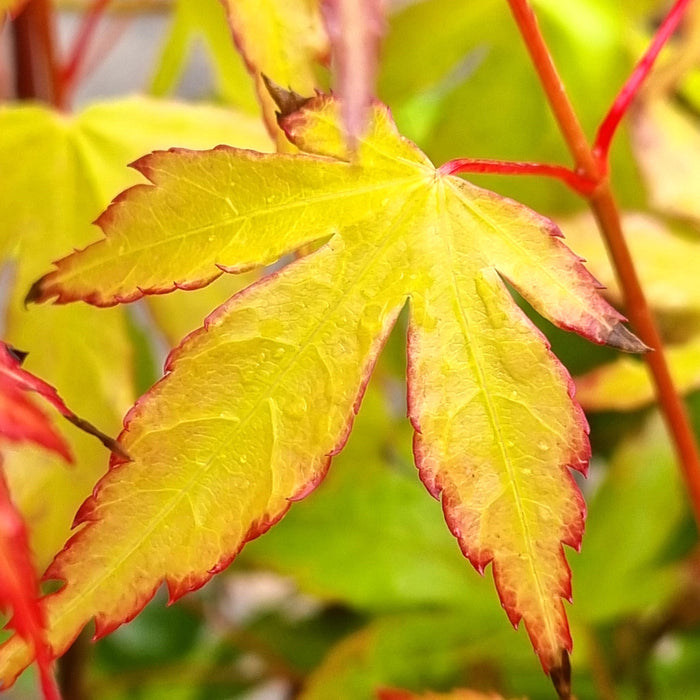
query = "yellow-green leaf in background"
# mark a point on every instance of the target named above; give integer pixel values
(282, 39)
(418, 649)
(255, 403)
(466, 86)
(667, 146)
(59, 172)
(625, 384)
(204, 21)
(666, 260)
(640, 578)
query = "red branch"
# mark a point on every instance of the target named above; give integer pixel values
(36, 76)
(601, 147)
(607, 213)
(70, 71)
(579, 183)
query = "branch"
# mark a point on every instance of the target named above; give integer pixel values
(70, 71)
(607, 214)
(36, 75)
(601, 147)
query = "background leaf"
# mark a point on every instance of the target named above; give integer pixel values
(282, 39)
(92, 370)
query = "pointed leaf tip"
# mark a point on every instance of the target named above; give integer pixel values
(19, 355)
(561, 676)
(288, 101)
(622, 338)
(35, 292)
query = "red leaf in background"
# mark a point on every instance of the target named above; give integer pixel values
(20, 419)
(355, 28)
(19, 589)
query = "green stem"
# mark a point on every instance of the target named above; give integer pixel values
(607, 214)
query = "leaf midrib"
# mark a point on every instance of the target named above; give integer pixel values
(492, 413)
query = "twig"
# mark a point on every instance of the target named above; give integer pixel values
(36, 76)
(601, 147)
(607, 214)
(70, 71)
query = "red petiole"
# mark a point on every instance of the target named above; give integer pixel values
(579, 183)
(591, 171)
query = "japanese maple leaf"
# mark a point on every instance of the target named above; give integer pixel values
(254, 404)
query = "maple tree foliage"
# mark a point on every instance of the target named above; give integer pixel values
(19, 589)
(363, 235)
(20, 419)
(311, 332)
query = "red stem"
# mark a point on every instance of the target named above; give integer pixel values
(601, 147)
(554, 87)
(578, 183)
(36, 75)
(70, 71)
(607, 214)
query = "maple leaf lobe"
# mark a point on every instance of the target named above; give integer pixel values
(623, 339)
(288, 101)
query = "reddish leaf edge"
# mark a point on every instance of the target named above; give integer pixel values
(85, 515)
(559, 671)
(46, 288)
